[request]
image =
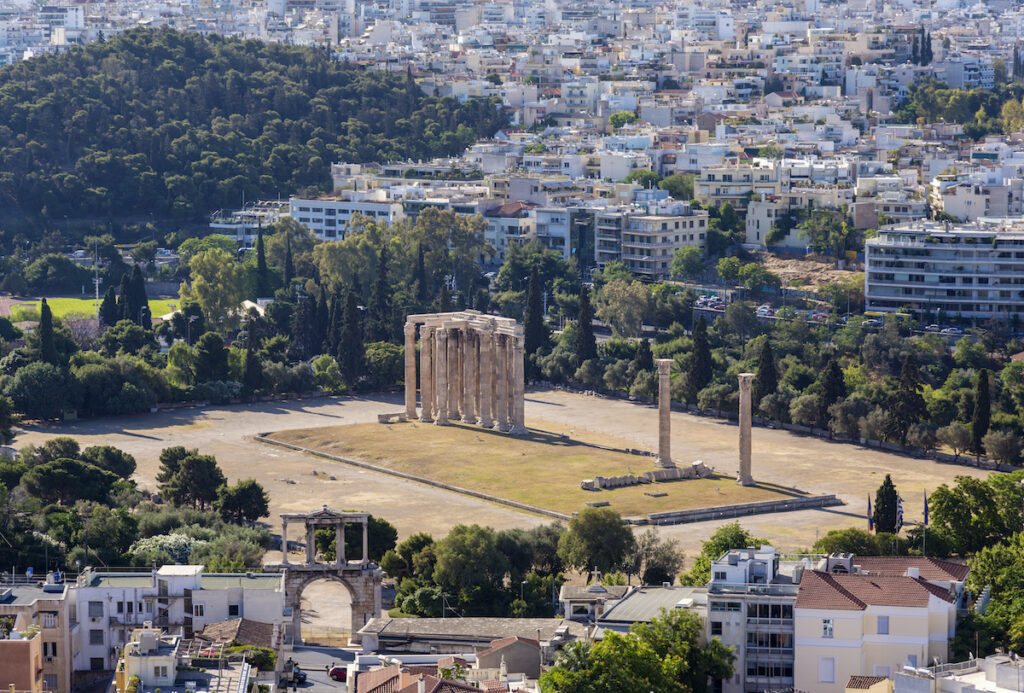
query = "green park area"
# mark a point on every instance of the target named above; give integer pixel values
(543, 468)
(29, 310)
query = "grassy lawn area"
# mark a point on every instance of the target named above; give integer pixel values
(29, 310)
(541, 468)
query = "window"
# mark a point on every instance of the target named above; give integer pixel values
(96, 663)
(95, 637)
(95, 609)
(716, 627)
(883, 625)
(912, 660)
(120, 607)
(198, 610)
(719, 574)
(49, 620)
(232, 609)
(49, 682)
(159, 672)
(826, 628)
(826, 669)
(49, 649)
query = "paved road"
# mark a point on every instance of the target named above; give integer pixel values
(315, 662)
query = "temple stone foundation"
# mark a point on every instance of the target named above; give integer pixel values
(361, 578)
(471, 370)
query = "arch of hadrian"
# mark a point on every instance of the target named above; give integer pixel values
(471, 369)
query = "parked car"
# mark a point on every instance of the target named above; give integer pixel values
(952, 330)
(873, 322)
(338, 673)
(933, 328)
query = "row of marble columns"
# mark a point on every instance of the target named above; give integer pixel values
(339, 538)
(469, 371)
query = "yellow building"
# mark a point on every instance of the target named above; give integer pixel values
(867, 625)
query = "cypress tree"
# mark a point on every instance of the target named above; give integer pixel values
(350, 349)
(123, 296)
(535, 332)
(47, 344)
(323, 320)
(884, 512)
(379, 326)
(252, 376)
(262, 273)
(586, 344)
(138, 301)
(334, 325)
(304, 332)
(420, 276)
(982, 411)
(833, 389)
(483, 300)
(766, 380)
(444, 300)
(289, 265)
(108, 308)
(644, 360)
(701, 370)
(906, 405)
(914, 52)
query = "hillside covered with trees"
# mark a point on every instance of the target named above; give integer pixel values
(178, 124)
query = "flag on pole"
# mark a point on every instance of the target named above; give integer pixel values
(925, 508)
(899, 514)
(871, 518)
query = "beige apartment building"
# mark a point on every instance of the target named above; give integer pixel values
(47, 607)
(867, 625)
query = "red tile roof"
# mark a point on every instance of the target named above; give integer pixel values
(863, 683)
(436, 685)
(928, 567)
(379, 680)
(505, 642)
(855, 592)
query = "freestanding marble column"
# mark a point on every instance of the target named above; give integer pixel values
(426, 373)
(284, 542)
(744, 477)
(441, 377)
(410, 370)
(501, 382)
(469, 383)
(486, 387)
(518, 387)
(453, 373)
(665, 413)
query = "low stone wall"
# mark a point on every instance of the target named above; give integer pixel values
(721, 512)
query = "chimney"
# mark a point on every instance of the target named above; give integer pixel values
(421, 685)
(913, 573)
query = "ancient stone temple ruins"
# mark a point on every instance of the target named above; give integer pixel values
(471, 369)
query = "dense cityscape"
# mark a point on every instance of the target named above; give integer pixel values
(433, 346)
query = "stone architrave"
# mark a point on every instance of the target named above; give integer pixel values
(410, 370)
(441, 376)
(426, 373)
(744, 477)
(665, 413)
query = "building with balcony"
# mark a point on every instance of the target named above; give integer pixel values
(971, 272)
(44, 606)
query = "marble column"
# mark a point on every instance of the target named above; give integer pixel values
(518, 387)
(486, 385)
(743, 477)
(310, 544)
(426, 373)
(665, 413)
(339, 544)
(340, 548)
(453, 373)
(366, 543)
(284, 542)
(441, 376)
(469, 371)
(500, 382)
(410, 370)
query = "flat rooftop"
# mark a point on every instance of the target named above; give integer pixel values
(470, 628)
(21, 595)
(646, 603)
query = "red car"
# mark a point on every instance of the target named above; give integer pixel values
(338, 673)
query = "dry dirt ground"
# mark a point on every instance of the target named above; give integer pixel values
(813, 270)
(810, 464)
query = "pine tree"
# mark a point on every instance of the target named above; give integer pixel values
(47, 343)
(535, 331)
(379, 327)
(701, 370)
(262, 273)
(833, 389)
(108, 308)
(906, 406)
(884, 512)
(420, 276)
(289, 265)
(644, 360)
(982, 411)
(586, 344)
(766, 380)
(350, 349)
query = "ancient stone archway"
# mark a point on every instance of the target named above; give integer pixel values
(361, 578)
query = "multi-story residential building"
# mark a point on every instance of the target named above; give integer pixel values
(734, 184)
(21, 656)
(969, 196)
(328, 217)
(46, 606)
(650, 240)
(178, 598)
(973, 272)
(854, 625)
(750, 609)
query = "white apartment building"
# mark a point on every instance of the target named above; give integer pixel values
(973, 195)
(328, 217)
(108, 606)
(973, 272)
